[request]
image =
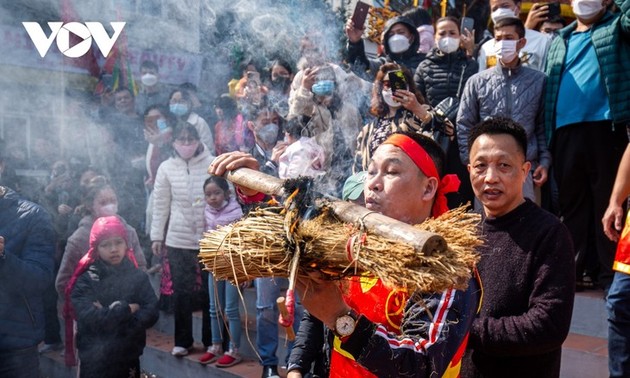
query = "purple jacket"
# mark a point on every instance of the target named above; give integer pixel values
(227, 214)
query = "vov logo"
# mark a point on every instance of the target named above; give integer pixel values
(61, 33)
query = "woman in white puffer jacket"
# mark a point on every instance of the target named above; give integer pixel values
(177, 227)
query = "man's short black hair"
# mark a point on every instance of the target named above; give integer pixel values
(431, 147)
(511, 21)
(555, 20)
(188, 86)
(497, 126)
(419, 16)
(150, 65)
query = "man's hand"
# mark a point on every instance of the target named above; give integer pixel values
(309, 76)
(231, 161)
(134, 307)
(278, 150)
(467, 41)
(322, 298)
(64, 209)
(294, 374)
(613, 221)
(354, 34)
(537, 14)
(540, 175)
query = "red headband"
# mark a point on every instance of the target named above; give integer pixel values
(448, 184)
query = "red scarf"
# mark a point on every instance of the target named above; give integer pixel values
(103, 228)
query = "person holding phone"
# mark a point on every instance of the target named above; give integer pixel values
(541, 12)
(396, 109)
(400, 40)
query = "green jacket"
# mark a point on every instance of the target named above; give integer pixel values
(611, 38)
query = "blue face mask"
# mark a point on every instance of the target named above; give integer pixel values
(323, 88)
(161, 124)
(178, 109)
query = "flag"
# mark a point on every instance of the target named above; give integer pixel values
(87, 61)
(117, 69)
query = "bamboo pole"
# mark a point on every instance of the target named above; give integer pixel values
(285, 314)
(423, 242)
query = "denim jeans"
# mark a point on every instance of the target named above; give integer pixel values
(224, 305)
(21, 363)
(618, 306)
(267, 291)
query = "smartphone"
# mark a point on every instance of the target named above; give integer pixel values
(468, 23)
(397, 80)
(553, 10)
(360, 14)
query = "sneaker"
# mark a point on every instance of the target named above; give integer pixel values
(180, 351)
(212, 354)
(50, 347)
(230, 358)
(270, 371)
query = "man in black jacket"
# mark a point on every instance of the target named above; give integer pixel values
(27, 252)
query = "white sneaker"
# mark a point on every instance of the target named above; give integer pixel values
(179, 351)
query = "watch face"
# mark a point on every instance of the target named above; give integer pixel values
(345, 325)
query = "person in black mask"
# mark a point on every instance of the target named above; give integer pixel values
(281, 75)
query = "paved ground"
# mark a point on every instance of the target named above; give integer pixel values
(584, 352)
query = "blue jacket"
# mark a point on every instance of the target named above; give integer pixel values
(25, 271)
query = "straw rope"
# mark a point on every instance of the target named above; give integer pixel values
(257, 246)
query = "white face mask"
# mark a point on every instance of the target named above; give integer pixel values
(107, 210)
(506, 50)
(398, 43)
(149, 79)
(448, 44)
(502, 13)
(388, 97)
(586, 9)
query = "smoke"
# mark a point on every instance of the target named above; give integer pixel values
(50, 101)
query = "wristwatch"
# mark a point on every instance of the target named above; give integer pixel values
(346, 323)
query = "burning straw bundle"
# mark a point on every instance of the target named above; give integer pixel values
(264, 243)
